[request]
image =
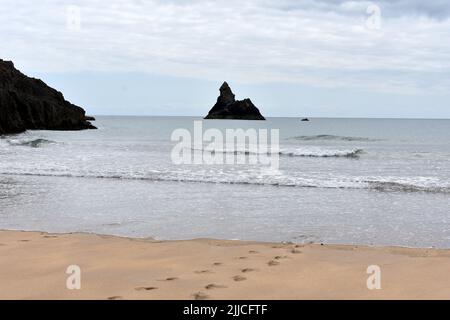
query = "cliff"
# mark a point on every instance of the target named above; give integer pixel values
(28, 103)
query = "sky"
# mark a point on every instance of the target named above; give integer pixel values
(293, 58)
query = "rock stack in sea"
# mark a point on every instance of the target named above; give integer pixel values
(28, 103)
(227, 107)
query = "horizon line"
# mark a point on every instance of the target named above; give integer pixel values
(287, 117)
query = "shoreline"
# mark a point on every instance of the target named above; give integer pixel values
(33, 265)
(261, 242)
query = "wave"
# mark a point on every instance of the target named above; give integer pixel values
(298, 152)
(36, 143)
(329, 137)
(388, 186)
(355, 153)
(410, 185)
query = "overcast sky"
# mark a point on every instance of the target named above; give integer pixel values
(293, 58)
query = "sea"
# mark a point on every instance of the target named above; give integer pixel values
(340, 181)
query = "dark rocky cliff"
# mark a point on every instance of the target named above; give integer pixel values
(227, 107)
(28, 103)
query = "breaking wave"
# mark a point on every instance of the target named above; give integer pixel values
(407, 185)
(328, 137)
(355, 153)
(36, 143)
(312, 152)
(387, 186)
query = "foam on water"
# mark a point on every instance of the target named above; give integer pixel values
(322, 153)
(35, 143)
(252, 177)
(330, 137)
(311, 152)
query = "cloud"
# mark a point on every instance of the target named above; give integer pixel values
(315, 42)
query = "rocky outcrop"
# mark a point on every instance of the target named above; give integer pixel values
(227, 107)
(28, 103)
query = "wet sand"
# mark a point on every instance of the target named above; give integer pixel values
(33, 265)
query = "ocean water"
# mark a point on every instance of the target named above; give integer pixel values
(353, 181)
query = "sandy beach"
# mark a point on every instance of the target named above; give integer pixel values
(33, 266)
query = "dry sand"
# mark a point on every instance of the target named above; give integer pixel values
(33, 266)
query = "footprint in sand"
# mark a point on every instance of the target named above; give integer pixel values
(246, 270)
(253, 252)
(50, 236)
(295, 251)
(281, 257)
(273, 263)
(24, 240)
(170, 279)
(145, 288)
(241, 258)
(115, 298)
(217, 264)
(200, 296)
(214, 286)
(203, 271)
(239, 278)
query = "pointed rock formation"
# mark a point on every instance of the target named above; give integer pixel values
(28, 103)
(227, 107)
